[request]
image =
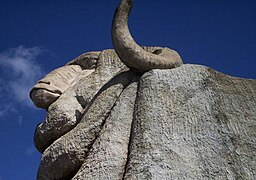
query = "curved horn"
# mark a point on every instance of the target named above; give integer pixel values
(130, 53)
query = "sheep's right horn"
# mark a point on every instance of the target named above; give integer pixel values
(130, 53)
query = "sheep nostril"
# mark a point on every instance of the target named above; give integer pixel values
(45, 82)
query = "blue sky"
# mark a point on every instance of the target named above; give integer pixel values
(39, 36)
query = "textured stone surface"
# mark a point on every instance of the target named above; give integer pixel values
(64, 157)
(87, 60)
(107, 122)
(63, 116)
(107, 158)
(193, 123)
(186, 123)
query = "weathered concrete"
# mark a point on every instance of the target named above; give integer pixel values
(63, 158)
(111, 147)
(187, 123)
(63, 116)
(87, 60)
(193, 123)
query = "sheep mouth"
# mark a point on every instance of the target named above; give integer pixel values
(43, 96)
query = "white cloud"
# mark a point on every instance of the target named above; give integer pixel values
(18, 73)
(6, 108)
